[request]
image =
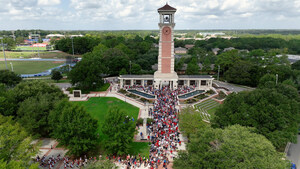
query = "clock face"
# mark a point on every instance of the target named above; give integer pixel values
(166, 30)
(166, 18)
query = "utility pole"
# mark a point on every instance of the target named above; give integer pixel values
(4, 52)
(218, 72)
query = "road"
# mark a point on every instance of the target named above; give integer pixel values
(293, 153)
(232, 87)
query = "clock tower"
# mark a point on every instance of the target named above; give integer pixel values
(165, 75)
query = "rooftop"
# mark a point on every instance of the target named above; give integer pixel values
(166, 8)
(194, 76)
(136, 76)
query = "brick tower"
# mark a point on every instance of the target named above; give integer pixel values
(165, 75)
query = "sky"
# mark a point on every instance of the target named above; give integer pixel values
(142, 14)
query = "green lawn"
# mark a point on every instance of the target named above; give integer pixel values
(140, 147)
(29, 67)
(212, 110)
(43, 54)
(99, 106)
(29, 48)
(209, 105)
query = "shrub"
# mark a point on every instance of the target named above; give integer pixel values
(139, 121)
(149, 120)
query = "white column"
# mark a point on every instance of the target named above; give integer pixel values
(199, 86)
(121, 83)
(143, 82)
(188, 84)
(131, 82)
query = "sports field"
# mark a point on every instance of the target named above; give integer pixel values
(43, 54)
(29, 67)
(29, 48)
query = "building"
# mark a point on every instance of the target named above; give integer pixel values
(180, 50)
(55, 36)
(34, 36)
(165, 74)
(188, 47)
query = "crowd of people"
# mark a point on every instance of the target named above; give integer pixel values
(164, 133)
(51, 162)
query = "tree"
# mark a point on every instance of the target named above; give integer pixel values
(296, 65)
(191, 121)
(16, 148)
(274, 112)
(123, 71)
(87, 74)
(232, 147)
(73, 127)
(33, 114)
(192, 67)
(227, 59)
(136, 69)
(9, 78)
(31, 88)
(244, 73)
(267, 80)
(56, 75)
(119, 130)
(114, 59)
(7, 106)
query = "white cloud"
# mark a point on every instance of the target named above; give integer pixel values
(142, 14)
(49, 2)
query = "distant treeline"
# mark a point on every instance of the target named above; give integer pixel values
(250, 43)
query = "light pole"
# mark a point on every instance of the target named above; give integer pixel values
(218, 72)
(72, 46)
(12, 67)
(130, 67)
(4, 52)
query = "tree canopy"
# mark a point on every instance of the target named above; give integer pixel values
(9, 78)
(232, 147)
(119, 130)
(16, 148)
(274, 112)
(73, 127)
(56, 75)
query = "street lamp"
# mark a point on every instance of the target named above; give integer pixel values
(72, 46)
(3, 51)
(130, 67)
(12, 67)
(218, 72)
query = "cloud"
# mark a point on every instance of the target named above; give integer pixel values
(142, 14)
(49, 2)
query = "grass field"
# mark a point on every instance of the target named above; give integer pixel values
(43, 54)
(29, 48)
(98, 107)
(29, 67)
(140, 147)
